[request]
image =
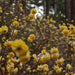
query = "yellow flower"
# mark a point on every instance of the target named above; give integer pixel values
(29, 39)
(8, 44)
(55, 56)
(72, 29)
(56, 67)
(59, 70)
(31, 17)
(4, 29)
(20, 5)
(44, 57)
(32, 36)
(34, 70)
(21, 50)
(69, 67)
(45, 68)
(60, 61)
(62, 28)
(54, 50)
(3, 39)
(3, 68)
(3, 59)
(15, 70)
(10, 67)
(11, 12)
(14, 60)
(33, 11)
(43, 51)
(50, 73)
(40, 67)
(65, 32)
(11, 54)
(19, 46)
(16, 23)
(61, 15)
(24, 59)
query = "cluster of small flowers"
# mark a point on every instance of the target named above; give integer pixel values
(32, 15)
(31, 38)
(67, 30)
(20, 48)
(16, 51)
(54, 53)
(57, 69)
(43, 68)
(10, 63)
(44, 56)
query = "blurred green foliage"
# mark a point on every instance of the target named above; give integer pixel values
(60, 5)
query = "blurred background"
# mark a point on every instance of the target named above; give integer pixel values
(50, 7)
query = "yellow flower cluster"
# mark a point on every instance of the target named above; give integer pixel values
(32, 15)
(15, 53)
(11, 67)
(43, 67)
(60, 61)
(57, 69)
(3, 29)
(15, 23)
(54, 50)
(72, 29)
(52, 20)
(65, 32)
(8, 44)
(33, 11)
(55, 53)
(10, 55)
(69, 67)
(31, 38)
(10, 63)
(20, 5)
(44, 56)
(21, 50)
(62, 27)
